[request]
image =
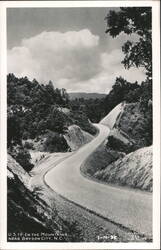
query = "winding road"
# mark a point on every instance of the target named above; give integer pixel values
(126, 207)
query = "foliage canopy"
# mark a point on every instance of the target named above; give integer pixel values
(138, 21)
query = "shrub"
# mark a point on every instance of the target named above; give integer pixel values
(55, 142)
(119, 145)
(28, 145)
(23, 157)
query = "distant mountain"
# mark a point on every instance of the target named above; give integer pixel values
(85, 95)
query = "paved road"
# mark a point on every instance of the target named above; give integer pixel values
(130, 208)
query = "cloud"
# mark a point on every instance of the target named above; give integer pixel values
(72, 60)
(64, 41)
(111, 68)
(55, 55)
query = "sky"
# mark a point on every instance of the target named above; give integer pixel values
(68, 46)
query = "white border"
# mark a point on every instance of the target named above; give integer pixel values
(156, 125)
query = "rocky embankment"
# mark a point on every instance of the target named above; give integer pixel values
(125, 158)
(31, 210)
(25, 208)
(76, 137)
(133, 170)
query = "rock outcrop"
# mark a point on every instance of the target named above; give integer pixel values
(119, 140)
(76, 137)
(131, 129)
(14, 169)
(25, 208)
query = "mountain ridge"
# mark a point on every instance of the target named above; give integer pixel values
(85, 95)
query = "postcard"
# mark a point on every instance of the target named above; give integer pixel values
(80, 125)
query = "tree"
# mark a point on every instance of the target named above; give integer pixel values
(13, 129)
(57, 121)
(121, 91)
(134, 20)
(55, 142)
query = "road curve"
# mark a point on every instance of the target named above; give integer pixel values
(130, 208)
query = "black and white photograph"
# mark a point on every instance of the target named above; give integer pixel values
(79, 121)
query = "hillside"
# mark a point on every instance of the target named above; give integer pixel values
(84, 95)
(34, 108)
(39, 114)
(31, 210)
(125, 158)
